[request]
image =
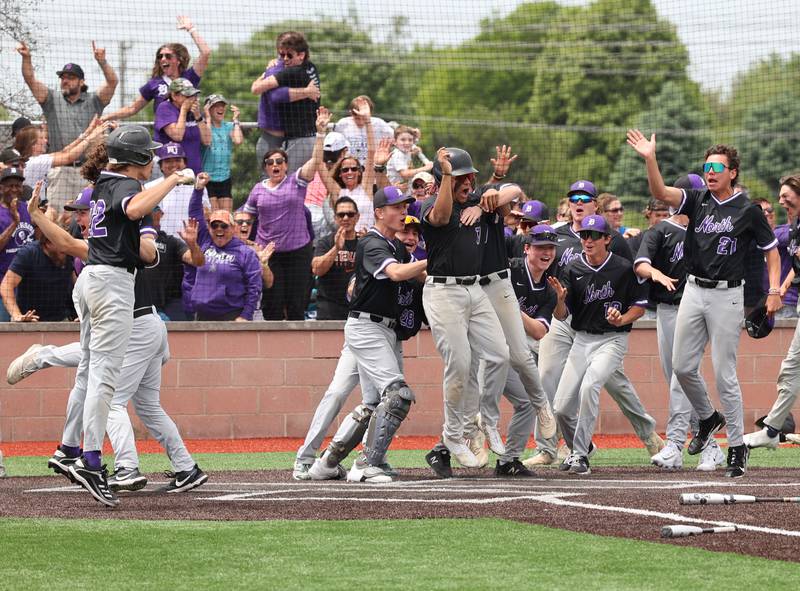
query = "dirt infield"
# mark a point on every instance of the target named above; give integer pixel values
(624, 502)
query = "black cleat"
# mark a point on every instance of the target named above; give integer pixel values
(60, 463)
(127, 479)
(94, 481)
(708, 427)
(580, 466)
(512, 469)
(439, 461)
(186, 480)
(737, 461)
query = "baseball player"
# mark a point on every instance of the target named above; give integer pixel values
(789, 376)
(104, 293)
(555, 346)
(531, 213)
(722, 226)
(604, 297)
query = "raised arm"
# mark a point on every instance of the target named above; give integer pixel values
(382, 155)
(90, 135)
(315, 162)
(106, 90)
(203, 123)
(61, 239)
(37, 87)
(196, 207)
(236, 134)
(368, 178)
(439, 214)
(129, 111)
(143, 202)
(647, 150)
(201, 63)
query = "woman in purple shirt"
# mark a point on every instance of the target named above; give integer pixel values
(278, 201)
(179, 120)
(172, 61)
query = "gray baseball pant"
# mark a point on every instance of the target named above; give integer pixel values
(788, 384)
(345, 379)
(378, 355)
(51, 356)
(591, 361)
(462, 320)
(681, 414)
(711, 315)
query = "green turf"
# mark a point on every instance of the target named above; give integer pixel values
(388, 554)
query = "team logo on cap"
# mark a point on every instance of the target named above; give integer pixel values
(172, 149)
(590, 222)
(581, 185)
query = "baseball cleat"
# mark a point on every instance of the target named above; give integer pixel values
(94, 481)
(185, 480)
(708, 427)
(127, 479)
(654, 443)
(562, 452)
(23, 366)
(462, 453)
(477, 445)
(320, 470)
(711, 457)
(540, 458)
(737, 461)
(494, 439)
(512, 469)
(60, 463)
(669, 458)
(362, 472)
(388, 469)
(547, 422)
(793, 438)
(568, 461)
(580, 466)
(439, 461)
(761, 439)
(300, 471)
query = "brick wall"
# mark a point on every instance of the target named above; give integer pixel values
(228, 380)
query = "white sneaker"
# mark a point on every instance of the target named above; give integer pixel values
(477, 445)
(669, 458)
(320, 470)
(23, 366)
(300, 471)
(540, 458)
(562, 452)
(761, 439)
(711, 457)
(369, 474)
(654, 443)
(462, 453)
(547, 421)
(495, 440)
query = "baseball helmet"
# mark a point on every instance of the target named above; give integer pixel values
(787, 427)
(130, 144)
(461, 161)
(758, 323)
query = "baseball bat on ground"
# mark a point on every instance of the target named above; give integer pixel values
(684, 531)
(720, 499)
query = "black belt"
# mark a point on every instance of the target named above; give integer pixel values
(486, 280)
(456, 280)
(709, 284)
(376, 318)
(139, 312)
(596, 331)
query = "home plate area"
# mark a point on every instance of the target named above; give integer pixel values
(623, 502)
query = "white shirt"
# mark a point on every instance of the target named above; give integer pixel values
(399, 161)
(366, 218)
(357, 136)
(36, 170)
(176, 206)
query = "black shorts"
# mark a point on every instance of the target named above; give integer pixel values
(220, 189)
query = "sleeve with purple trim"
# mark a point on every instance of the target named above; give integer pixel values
(196, 212)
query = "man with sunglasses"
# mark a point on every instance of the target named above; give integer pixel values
(723, 224)
(555, 347)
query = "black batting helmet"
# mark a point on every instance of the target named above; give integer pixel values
(758, 323)
(130, 144)
(461, 161)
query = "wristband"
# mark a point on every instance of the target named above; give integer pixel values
(447, 174)
(774, 291)
(379, 168)
(321, 134)
(499, 177)
(236, 122)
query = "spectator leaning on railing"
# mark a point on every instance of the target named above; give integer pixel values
(178, 119)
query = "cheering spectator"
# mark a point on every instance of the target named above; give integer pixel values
(354, 127)
(323, 221)
(178, 120)
(228, 285)
(68, 113)
(244, 226)
(16, 229)
(563, 213)
(175, 206)
(172, 61)
(531, 213)
(335, 261)
(39, 281)
(422, 187)
(399, 168)
(217, 156)
(612, 209)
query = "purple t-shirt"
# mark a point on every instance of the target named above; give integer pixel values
(157, 89)
(22, 235)
(168, 113)
(281, 213)
(268, 117)
(784, 235)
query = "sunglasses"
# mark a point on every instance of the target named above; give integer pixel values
(219, 225)
(581, 198)
(593, 234)
(287, 55)
(346, 214)
(167, 56)
(276, 161)
(350, 169)
(619, 209)
(243, 222)
(769, 210)
(715, 166)
(549, 236)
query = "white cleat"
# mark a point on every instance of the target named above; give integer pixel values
(761, 439)
(461, 452)
(477, 445)
(669, 458)
(320, 470)
(368, 474)
(23, 366)
(540, 458)
(547, 422)
(494, 439)
(711, 457)
(300, 471)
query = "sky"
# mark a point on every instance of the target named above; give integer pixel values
(723, 37)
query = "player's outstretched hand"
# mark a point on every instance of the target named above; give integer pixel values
(644, 147)
(29, 316)
(443, 157)
(659, 277)
(470, 215)
(558, 287)
(614, 317)
(503, 161)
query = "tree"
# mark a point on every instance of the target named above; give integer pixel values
(18, 23)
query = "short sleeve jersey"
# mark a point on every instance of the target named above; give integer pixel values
(299, 117)
(537, 300)
(569, 248)
(454, 250)
(662, 247)
(157, 89)
(720, 232)
(374, 292)
(591, 291)
(113, 237)
(495, 254)
(332, 286)
(45, 286)
(165, 275)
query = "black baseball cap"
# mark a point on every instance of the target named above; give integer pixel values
(73, 69)
(19, 124)
(9, 155)
(12, 172)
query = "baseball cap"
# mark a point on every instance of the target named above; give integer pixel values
(413, 221)
(12, 172)
(19, 124)
(221, 215)
(170, 150)
(758, 323)
(184, 87)
(82, 201)
(213, 99)
(582, 187)
(690, 181)
(534, 211)
(390, 196)
(542, 235)
(9, 155)
(74, 69)
(595, 223)
(334, 142)
(656, 205)
(423, 176)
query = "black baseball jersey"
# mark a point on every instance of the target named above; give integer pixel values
(454, 250)
(164, 276)
(794, 244)
(537, 300)
(374, 292)
(113, 237)
(591, 291)
(569, 248)
(720, 233)
(662, 247)
(495, 255)
(515, 246)
(410, 313)
(635, 242)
